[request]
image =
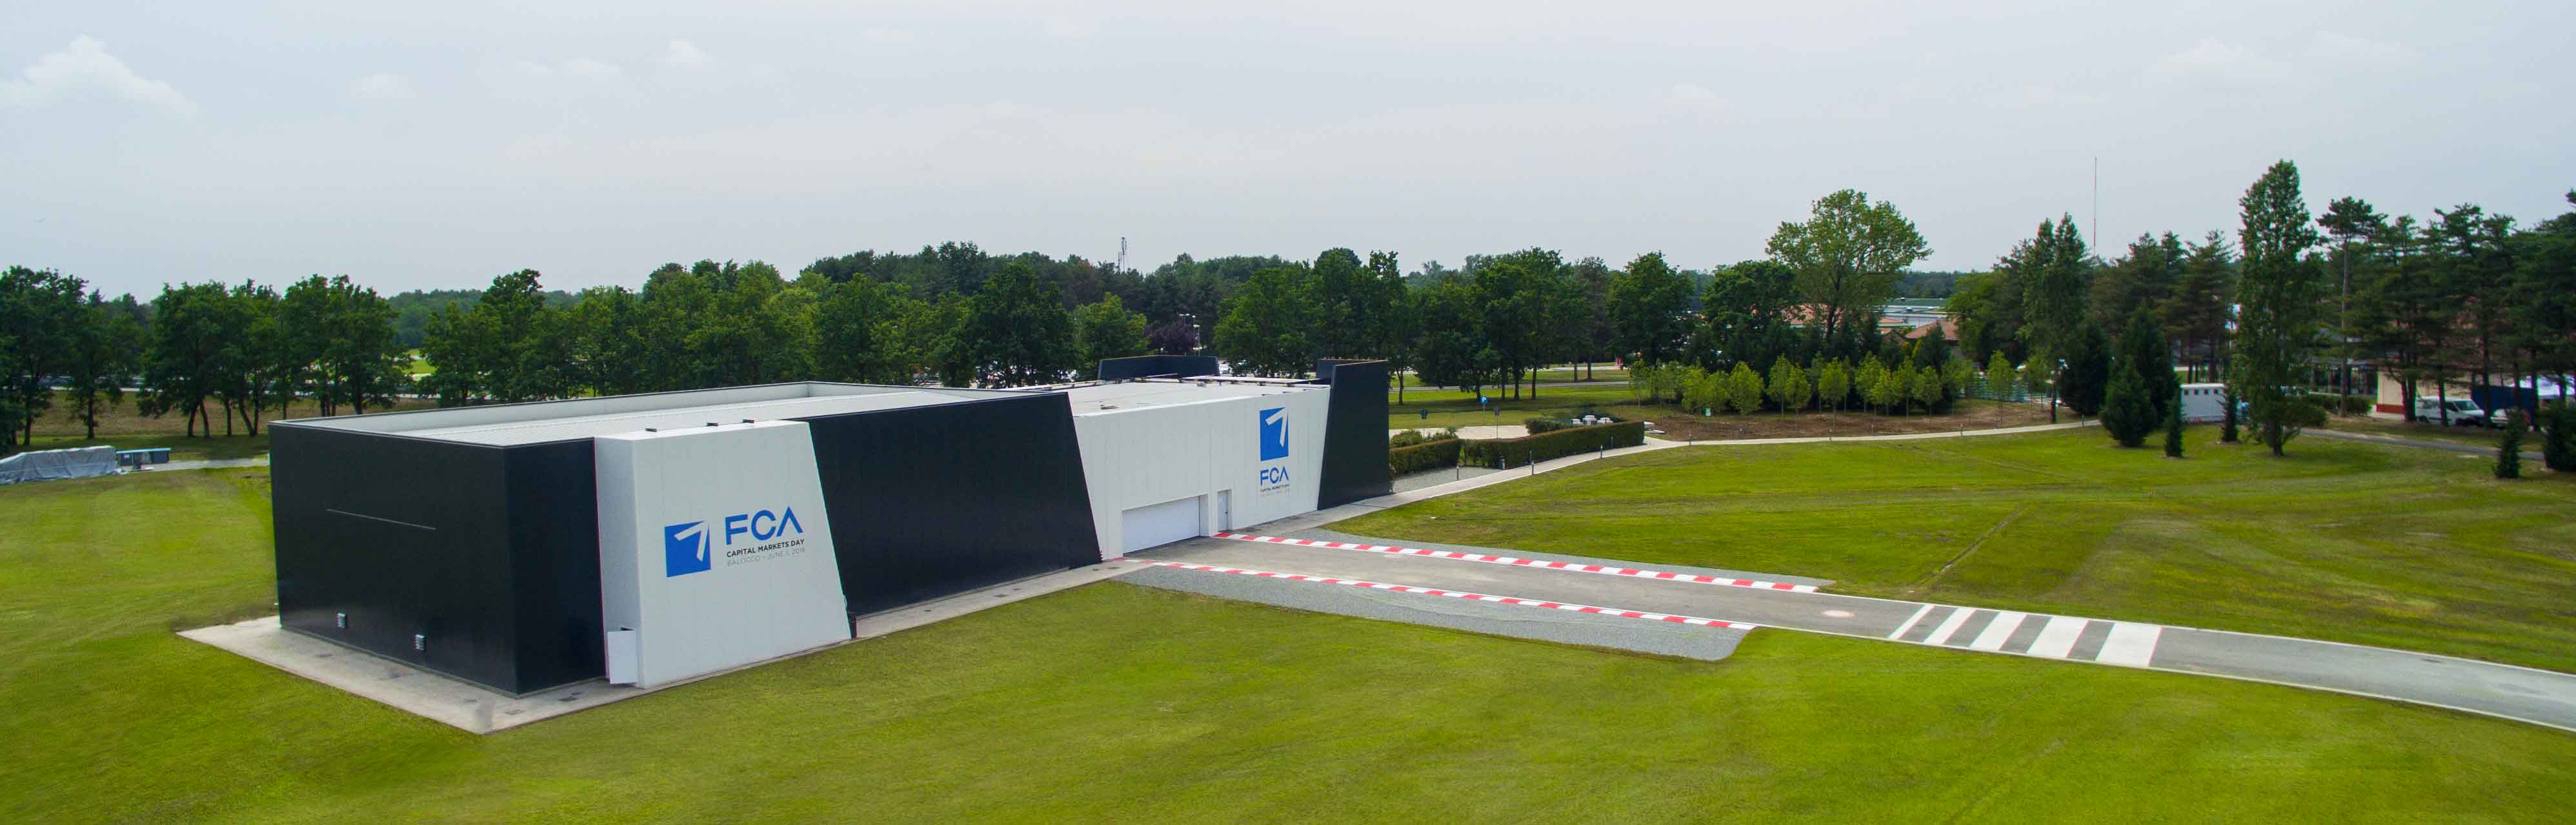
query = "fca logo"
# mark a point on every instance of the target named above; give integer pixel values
(684, 549)
(1274, 433)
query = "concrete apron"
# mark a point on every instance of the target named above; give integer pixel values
(477, 709)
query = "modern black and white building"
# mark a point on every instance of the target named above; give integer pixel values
(652, 538)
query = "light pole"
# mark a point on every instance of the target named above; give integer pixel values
(2053, 385)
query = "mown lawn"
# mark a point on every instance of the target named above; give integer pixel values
(2394, 546)
(1122, 703)
(124, 428)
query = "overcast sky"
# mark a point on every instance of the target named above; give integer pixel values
(438, 144)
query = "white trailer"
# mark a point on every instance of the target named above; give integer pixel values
(2202, 403)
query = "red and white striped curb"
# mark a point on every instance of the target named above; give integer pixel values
(1551, 565)
(1454, 594)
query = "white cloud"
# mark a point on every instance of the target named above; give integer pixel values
(2215, 59)
(381, 86)
(1071, 29)
(881, 34)
(1692, 91)
(83, 68)
(686, 55)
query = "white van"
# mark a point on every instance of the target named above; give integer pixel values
(2463, 412)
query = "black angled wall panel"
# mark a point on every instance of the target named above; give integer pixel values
(932, 501)
(1354, 432)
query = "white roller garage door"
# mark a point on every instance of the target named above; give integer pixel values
(1158, 524)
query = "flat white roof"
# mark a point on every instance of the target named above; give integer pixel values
(1129, 396)
(578, 418)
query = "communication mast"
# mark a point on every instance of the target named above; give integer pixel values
(1122, 252)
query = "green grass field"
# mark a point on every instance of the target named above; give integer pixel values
(2392, 546)
(1116, 702)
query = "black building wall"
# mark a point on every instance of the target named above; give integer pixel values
(931, 501)
(1354, 432)
(406, 536)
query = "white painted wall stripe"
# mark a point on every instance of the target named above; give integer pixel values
(1910, 620)
(1521, 562)
(1941, 632)
(1578, 608)
(1997, 631)
(2130, 644)
(2057, 637)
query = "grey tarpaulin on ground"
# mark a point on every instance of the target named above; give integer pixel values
(47, 465)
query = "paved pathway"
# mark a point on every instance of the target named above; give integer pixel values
(210, 464)
(2522, 694)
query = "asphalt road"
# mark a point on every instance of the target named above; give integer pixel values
(2522, 694)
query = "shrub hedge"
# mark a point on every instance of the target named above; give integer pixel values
(1516, 452)
(1430, 455)
(1542, 425)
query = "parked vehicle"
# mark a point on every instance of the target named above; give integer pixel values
(2463, 412)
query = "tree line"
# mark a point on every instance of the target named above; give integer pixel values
(2421, 298)
(2293, 300)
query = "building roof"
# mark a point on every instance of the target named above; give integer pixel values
(579, 418)
(1147, 393)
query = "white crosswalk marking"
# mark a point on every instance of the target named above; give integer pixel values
(1910, 620)
(1997, 631)
(2058, 636)
(2130, 644)
(1941, 633)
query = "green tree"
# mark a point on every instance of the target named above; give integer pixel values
(2350, 222)
(1016, 332)
(2173, 429)
(2145, 278)
(184, 361)
(257, 372)
(1865, 380)
(1833, 384)
(857, 335)
(2055, 271)
(2142, 350)
(1449, 349)
(1269, 324)
(1956, 374)
(1788, 386)
(106, 349)
(1888, 388)
(1106, 330)
(2088, 370)
(1848, 255)
(1744, 388)
(40, 319)
(2509, 447)
(1344, 299)
(2202, 306)
(2278, 306)
(1926, 385)
(1999, 376)
(1703, 390)
(2039, 373)
(2127, 411)
(1391, 322)
(1517, 295)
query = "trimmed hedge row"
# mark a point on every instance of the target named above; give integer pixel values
(1517, 452)
(1428, 456)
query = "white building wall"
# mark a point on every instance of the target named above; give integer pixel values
(1150, 455)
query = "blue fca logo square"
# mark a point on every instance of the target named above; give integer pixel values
(684, 549)
(1274, 433)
